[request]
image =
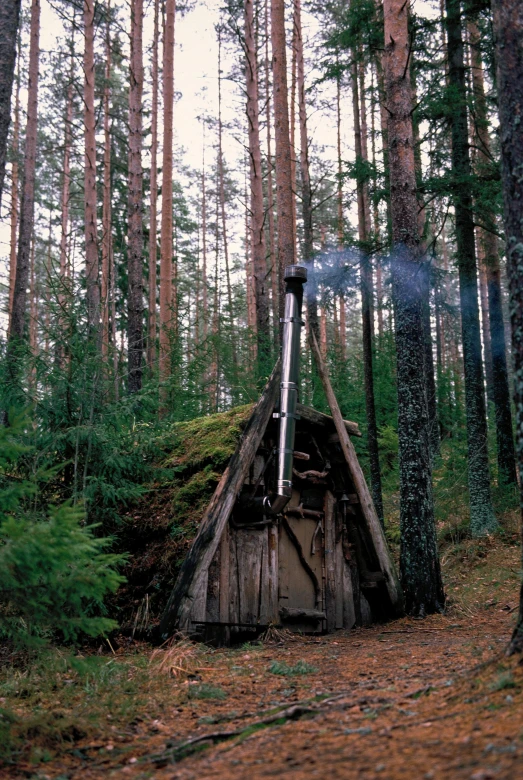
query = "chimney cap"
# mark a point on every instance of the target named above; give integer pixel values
(297, 272)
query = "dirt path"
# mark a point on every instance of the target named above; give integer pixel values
(431, 699)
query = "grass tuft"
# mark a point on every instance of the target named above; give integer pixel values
(283, 669)
(206, 691)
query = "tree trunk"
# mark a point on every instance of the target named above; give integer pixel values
(17, 324)
(273, 264)
(106, 205)
(366, 299)
(419, 562)
(340, 225)
(259, 260)
(485, 319)
(9, 21)
(292, 128)
(65, 197)
(375, 213)
(33, 311)
(500, 382)
(205, 301)
(153, 222)
(166, 236)
(15, 206)
(282, 166)
(221, 191)
(482, 518)
(508, 30)
(91, 226)
(135, 227)
(306, 192)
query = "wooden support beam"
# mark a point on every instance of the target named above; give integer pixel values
(177, 613)
(318, 418)
(367, 506)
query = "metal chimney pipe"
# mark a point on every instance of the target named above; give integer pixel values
(295, 277)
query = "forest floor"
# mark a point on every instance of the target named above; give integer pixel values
(433, 698)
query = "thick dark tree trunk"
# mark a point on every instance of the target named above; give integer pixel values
(9, 21)
(508, 32)
(419, 562)
(482, 518)
(500, 382)
(17, 324)
(135, 343)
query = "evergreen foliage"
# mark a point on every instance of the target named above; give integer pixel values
(54, 571)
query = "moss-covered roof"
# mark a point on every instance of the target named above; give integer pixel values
(205, 440)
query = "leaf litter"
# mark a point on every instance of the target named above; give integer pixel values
(433, 699)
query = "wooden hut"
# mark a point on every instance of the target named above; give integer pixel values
(321, 564)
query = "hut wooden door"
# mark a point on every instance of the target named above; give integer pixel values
(301, 567)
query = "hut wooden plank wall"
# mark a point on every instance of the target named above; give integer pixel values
(322, 565)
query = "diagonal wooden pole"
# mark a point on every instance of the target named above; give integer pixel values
(360, 485)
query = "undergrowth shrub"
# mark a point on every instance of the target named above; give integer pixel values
(54, 572)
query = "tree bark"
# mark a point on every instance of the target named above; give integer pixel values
(65, 197)
(366, 298)
(223, 215)
(485, 319)
(106, 204)
(166, 237)
(153, 221)
(17, 324)
(306, 191)
(340, 225)
(419, 562)
(90, 217)
(508, 30)
(205, 302)
(273, 265)
(482, 518)
(15, 206)
(135, 343)
(9, 22)
(500, 383)
(286, 255)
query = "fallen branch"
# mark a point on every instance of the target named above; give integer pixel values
(189, 746)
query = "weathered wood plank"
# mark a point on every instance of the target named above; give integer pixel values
(198, 609)
(318, 418)
(272, 582)
(339, 561)
(293, 613)
(224, 576)
(250, 549)
(360, 485)
(197, 560)
(330, 561)
(212, 610)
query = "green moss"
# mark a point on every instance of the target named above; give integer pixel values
(205, 440)
(191, 496)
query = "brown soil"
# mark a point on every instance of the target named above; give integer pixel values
(433, 698)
